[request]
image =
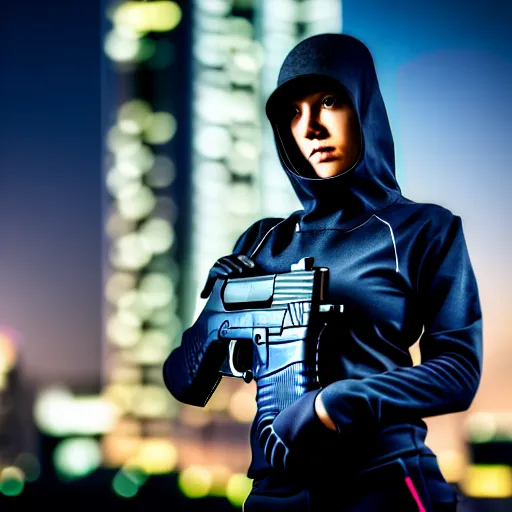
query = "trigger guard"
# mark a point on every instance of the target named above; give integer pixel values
(234, 371)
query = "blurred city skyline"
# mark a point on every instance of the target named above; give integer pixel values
(444, 70)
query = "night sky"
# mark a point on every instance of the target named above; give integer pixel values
(50, 184)
(445, 69)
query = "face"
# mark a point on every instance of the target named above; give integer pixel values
(326, 130)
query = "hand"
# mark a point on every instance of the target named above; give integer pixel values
(234, 265)
(291, 440)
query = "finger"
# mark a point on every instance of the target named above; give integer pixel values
(232, 266)
(208, 287)
(240, 262)
(246, 261)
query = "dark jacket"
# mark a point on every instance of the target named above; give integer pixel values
(400, 268)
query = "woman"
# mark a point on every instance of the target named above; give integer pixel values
(402, 271)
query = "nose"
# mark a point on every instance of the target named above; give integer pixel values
(310, 125)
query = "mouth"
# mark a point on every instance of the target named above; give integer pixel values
(322, 154)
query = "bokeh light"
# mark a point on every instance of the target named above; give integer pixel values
(58, 413)
(124, 486)
(29, 465)
(124, 328)
(76, 457)
(118, 284)
(160, 128)
(156, 16)
(8, 353)
(162, 174)
(195, 481)
(238, 488)
(157, 234)
(488, 481)
(156, 289)
(156, 456)
(12, 481)
(242, 405)
(133, 116)
(121, 46)
(213, 142)
(129, 253)
(135, 201)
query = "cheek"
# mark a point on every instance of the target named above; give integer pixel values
(349, 134)
(300, 143)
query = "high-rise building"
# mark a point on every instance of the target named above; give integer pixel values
(10, 421)
(143, 75)
(18, 462)
(188, 168)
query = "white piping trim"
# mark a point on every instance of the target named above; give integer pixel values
(263, 239)
(392, 238)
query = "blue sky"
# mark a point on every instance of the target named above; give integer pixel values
(445, 70)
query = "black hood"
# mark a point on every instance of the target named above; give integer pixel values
(348, 199)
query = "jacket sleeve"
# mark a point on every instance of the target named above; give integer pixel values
(448, 376)
(183, 374)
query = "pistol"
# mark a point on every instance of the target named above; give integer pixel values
(265, 328)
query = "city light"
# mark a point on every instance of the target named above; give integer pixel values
(59, 413)
(155, 456)
(238, 488)
(488, 481)
(226, 64)
(76, 457)
(242, 405)
(484, 427)
(124, 486)
(8, 353)
(140, 292)
(156, 16)
(195, 481)
(29, 465)
(12, 481)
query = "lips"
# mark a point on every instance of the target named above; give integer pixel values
(322, 154)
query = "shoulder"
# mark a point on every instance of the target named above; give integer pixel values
(430, 217)
(254, 233)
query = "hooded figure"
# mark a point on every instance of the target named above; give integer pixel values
(402, 271)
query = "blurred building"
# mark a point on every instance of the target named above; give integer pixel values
(19, 463)
(144, 75)
(190, 164)
(10, 435)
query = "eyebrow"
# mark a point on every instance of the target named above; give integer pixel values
(317, 94)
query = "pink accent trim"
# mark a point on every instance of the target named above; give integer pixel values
(415, 494)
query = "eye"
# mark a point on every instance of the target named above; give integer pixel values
(292, 112)
(329, 101)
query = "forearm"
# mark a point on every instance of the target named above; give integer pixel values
(191, 370)
(443, 385)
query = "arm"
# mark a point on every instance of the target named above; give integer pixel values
(182, 374)
(448, 377)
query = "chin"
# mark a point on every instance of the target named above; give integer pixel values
(329, 171)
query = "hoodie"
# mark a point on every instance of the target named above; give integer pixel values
(400, 268)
